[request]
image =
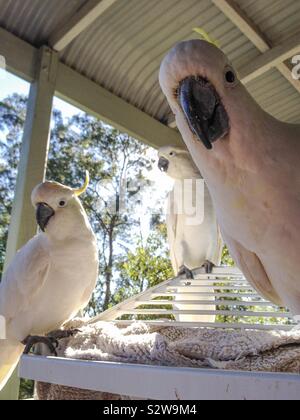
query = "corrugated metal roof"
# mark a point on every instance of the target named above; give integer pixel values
(34, 20)
(136, 34)
(123, 48)
(278, 19)
(276, 95)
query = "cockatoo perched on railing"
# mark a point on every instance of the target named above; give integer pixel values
(193, 233)
(194, 239)
(52, 277)
(250, 162)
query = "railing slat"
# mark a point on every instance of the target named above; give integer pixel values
(191, 324)
(205, 302)
(202, 312)
(217, 295)
(225, 287)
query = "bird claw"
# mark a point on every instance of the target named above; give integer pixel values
(60, 334)
(186, 271)
(32, 340)
(50, 340)
(208, 266)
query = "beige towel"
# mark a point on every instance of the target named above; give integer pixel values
(270, 351)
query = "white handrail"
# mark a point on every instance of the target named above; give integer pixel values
(225, 287)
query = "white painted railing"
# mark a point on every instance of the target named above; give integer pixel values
(229, 290)
(162, 383)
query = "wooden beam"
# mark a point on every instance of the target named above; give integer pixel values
(80, 21)
(89, 96)
(239, 18)
(271, 58)
(286, 71)
(20, 56)
(232, 10)
(32, 166)
(34, 149)
(92, 98)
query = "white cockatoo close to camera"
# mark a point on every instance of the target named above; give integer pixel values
(250, 162)
(52, 277)
(193, 233)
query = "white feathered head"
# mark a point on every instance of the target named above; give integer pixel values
(177, 163)
(57, 206)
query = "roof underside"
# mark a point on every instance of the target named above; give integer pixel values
(122, 49)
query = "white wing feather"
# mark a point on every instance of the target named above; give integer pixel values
(24, 278)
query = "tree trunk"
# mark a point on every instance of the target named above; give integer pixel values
(108, 270)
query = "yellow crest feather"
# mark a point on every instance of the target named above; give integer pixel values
(204, 35)
(83, 189)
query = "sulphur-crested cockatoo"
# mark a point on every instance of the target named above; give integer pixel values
(52, 277)
(193, 233)
(250, 162)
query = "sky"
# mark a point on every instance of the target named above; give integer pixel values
(10, 84)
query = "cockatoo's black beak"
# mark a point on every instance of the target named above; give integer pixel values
(43, 215)
(203, 109)
(163, 164)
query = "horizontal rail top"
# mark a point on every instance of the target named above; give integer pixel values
(158, 382)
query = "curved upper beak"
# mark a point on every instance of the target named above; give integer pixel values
(43, 215)
(203, 109)
(163, 164)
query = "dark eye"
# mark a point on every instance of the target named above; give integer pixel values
(230, 76)
(172, 154)
(62, 203)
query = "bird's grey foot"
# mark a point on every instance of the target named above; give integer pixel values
(188, 273)
(208, 265)
(60, 334)
(32, 340)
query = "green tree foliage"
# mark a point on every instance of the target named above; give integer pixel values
(226, 257)
(26, 389)
(146, 267)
